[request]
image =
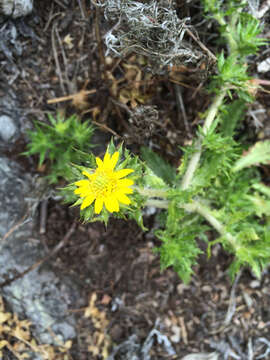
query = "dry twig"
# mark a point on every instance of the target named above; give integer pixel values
(58, 68)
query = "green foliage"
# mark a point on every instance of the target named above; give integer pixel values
(59, 144)
(262, 189)
(246, 35)
(179, 246)
(159, 166)
(212, 6)
(232, 73)
(230, 200)
(261, 200)
(258, 154)
(241, 33)
(232, 114)
(219, 154)
(255, 254)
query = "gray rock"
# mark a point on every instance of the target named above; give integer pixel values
(8, 128)
(16, 8)
(40, 295)
(264, 66)
(10, 118)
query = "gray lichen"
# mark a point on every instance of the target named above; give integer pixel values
(152, 29)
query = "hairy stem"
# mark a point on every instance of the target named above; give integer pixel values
(232, 44)
(160, 204)
(200, 209)
(158, 193)
(204, 211)
(194, 161)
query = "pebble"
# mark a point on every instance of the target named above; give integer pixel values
(181, 288)
(264, 66)
(254, 284)
(177, 334)
(206, 288)
(248, 299)
(167, 322)
(7, 128)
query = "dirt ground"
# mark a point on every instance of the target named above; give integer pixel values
(124, 292)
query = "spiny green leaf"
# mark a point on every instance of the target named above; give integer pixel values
(159, 166)
(258, 154)
(231, 116)
(248, 29)
(261, 205)
(262, 188)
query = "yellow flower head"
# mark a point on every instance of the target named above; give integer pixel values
(105, 185)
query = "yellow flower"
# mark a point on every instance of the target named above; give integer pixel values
(105, 185)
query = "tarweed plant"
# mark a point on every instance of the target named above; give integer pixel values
(59, 143)
(217, 186)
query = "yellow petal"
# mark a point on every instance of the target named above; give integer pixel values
(83, 190)
(124, 183)
(86, 173)
(114, 160)
(107, 160)
(112, 204)
(87, 201)
(123, 199)
(126, 190)
(123, 191)
(99, 162)
(98, 205)
(122, 173)
(78, 191)
(82, 183)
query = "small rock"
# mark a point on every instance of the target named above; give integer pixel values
(254, 284)
(181, 288)
(177, 334)
(12, 120)
(261, 325)
(7, 128)
(248, 299)
(167, 322)
(206, 288)
(264, 66)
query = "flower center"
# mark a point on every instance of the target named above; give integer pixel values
(103, 184)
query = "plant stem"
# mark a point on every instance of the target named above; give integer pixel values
(197, 207)
(194, 161)
(159, 193)
(202, 210)
(160, 204)
(232, 44)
